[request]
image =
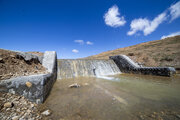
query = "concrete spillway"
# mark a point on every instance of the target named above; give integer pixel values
(126, 65)
(69, 68)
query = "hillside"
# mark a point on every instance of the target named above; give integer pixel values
(165, 52)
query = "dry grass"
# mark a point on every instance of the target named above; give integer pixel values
(164, 52)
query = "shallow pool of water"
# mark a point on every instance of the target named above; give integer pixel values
(123, 96)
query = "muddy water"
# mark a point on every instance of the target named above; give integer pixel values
(121, 97)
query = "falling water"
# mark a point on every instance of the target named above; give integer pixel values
(70, 68)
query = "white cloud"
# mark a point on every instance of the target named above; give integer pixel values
(138, 25)
(145, 25)
(89, 43)
(155, 23)
(170, 35)
(148, 26)
(81, 42)
(75, 51)
(175, 11)
(112, 17)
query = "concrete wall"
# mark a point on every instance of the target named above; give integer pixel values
(36, 88)
(71, 68)
(126, 65)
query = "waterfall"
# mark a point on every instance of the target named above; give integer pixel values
(70, 68)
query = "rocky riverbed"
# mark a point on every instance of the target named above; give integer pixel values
(14, 107)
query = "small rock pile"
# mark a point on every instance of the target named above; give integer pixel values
(165, 114)
(13, 107)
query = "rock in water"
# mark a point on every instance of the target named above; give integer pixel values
(75, 85)
(86, 84)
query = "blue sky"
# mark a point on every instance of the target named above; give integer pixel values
(80, 28)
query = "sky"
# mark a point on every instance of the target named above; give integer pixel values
(81, 28)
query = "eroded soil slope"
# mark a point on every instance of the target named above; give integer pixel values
(11, 65)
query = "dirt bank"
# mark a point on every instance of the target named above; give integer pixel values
(12, 65)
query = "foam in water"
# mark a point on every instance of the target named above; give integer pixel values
(108, 78)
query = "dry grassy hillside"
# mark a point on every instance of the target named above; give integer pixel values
(165, 52)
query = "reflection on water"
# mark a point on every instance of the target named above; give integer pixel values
(117, 97)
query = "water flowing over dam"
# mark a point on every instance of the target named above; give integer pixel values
(70, 68)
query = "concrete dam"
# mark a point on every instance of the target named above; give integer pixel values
(70, 68)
